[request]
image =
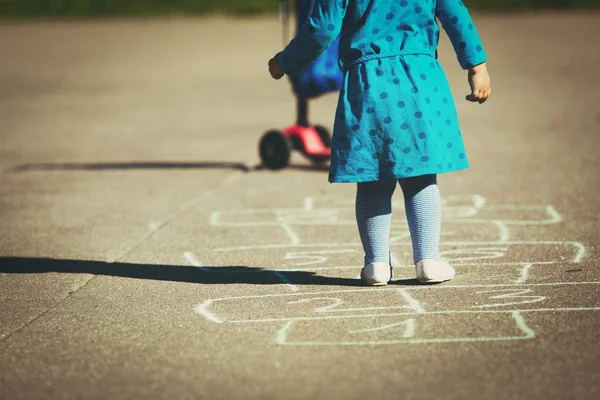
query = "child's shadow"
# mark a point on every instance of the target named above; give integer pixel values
(178, 273)
(172, 273)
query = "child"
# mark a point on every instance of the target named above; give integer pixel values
(396, 120)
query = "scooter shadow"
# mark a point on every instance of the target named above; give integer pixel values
(159, 165)
(296, 167)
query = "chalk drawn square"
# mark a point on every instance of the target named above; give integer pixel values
(457, 252)
(330, 304)
(419, 329)
(513, 251)
(402, 302)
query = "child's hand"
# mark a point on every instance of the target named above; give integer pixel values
(479, 80)
(274, 69)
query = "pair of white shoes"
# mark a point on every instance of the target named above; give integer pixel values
(428, 271)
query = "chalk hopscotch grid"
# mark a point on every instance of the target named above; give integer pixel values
(413, 308)
(283, 333)
(413, 304)
(311, 215)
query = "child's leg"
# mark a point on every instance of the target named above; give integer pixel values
(423, 213)
(374, 216)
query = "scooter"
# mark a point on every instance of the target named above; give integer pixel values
(313, 141)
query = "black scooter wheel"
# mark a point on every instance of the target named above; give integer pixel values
(324, 135)
(275, 150)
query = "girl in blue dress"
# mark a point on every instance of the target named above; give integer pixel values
(396, 120)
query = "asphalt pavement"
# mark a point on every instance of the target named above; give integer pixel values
(145, 254)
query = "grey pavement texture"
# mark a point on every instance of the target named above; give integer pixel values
(143, 254)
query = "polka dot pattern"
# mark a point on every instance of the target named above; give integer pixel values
(396, 116)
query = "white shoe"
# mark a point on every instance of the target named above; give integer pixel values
(434, 271)
(376, 274)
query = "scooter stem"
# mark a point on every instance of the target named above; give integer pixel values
(284, 15)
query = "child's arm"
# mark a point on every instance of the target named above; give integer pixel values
(459, 26)
(313, 38)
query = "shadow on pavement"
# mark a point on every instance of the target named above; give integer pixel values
(406, 282)
(172, 273)
(299, 167)
(105, 166)
(128, 165)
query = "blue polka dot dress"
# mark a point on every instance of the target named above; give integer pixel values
(396, 117)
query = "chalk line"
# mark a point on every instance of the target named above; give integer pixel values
(400, 314)
(524, 273)
(504, 232)
(408, 332)
(308, 203)
(513, 294)
(398, 264)
(282, 334)
(576, 259)
(520, 322)
(341, 310)
(202, 309)
(522, 325)
(294, 239)
(581, 253)
(421, 287)
(479, 201)
(413, 303)
(554, 215)
(191, 258)
(158, 225)
(286, 281)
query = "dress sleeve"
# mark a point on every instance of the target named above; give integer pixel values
(459, 26)
(314, 36)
